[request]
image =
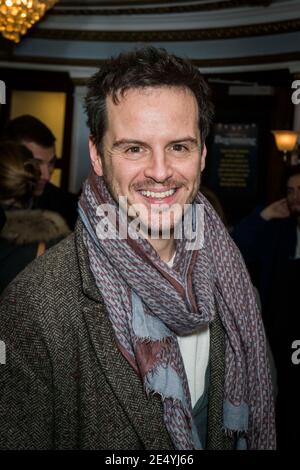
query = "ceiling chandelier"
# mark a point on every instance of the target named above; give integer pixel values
(17, 16)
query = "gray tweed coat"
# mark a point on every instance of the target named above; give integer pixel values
(65, 384)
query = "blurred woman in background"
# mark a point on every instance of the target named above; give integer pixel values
(26, 233)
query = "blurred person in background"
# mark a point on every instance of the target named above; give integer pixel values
(269, 240)
(270, 237)
(26, 233)
(38, 138)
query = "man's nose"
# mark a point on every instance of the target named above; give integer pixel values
(159, 167)
(45, 172)
(295, 197)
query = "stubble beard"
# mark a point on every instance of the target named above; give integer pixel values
(161, 232)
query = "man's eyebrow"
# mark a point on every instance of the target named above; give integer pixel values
(193, 140)
(43, 161)
(119, 143)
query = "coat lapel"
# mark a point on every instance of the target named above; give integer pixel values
(145, 414)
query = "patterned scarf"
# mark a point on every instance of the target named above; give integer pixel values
(149, 303)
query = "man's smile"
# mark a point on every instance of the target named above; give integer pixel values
(159, 196)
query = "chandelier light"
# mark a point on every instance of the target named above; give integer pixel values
(285, 141)
(17, 16)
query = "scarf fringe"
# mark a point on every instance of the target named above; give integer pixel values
(234, 432)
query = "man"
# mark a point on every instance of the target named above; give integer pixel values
(139, 340)
(269, 239)
(39, 139)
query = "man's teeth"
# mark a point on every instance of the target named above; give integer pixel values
(158, 195)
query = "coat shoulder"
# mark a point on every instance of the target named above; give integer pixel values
(49, 286)
(56, 268)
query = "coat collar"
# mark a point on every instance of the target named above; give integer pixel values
(89, 287)
(24, 226)
(145, 414)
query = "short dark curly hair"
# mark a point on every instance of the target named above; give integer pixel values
(28, 128)
(141, 68)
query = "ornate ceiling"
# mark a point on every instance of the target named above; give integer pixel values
(156, 2)
(160, 21)
(217, 34)
(151, 6)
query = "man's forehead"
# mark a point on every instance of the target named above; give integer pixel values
(138, 107)
(41, 153)
(121, 96)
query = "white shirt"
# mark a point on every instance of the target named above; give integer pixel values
(194, 349)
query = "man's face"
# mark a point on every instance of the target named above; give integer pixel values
(151, 149)
(46, 158)
(293, 195)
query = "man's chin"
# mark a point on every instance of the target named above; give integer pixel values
(39, 190)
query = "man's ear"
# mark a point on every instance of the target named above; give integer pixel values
(95, 158)
(203, 157)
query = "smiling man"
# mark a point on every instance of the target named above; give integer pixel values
(154, 155)
(138, 342)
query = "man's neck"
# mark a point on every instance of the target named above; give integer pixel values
(164, 248)
(298, 222)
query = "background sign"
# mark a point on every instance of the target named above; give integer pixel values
(234, 159)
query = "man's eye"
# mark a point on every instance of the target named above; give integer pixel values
(179, 148)
(134, 149)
